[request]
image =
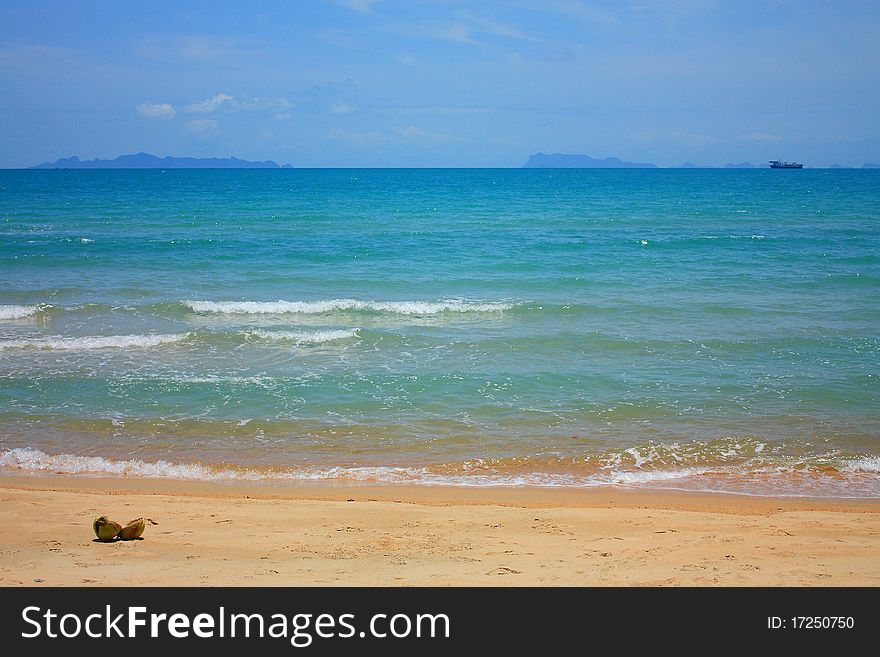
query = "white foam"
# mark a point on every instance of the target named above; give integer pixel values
(18, 312)
(307, 337)
(60, 343)
(640, 477)
(334, 305)
(423, 476)
(856, 485)
(869, 464)
(637, 455)
(35, 460)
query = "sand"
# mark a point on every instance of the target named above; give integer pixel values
(212, 534)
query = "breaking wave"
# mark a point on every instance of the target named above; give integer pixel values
(34, 460)
(59, 343)
(19, 312)
(848, 478)
(346, 305)
(306, 337)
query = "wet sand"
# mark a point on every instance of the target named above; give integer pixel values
(217, 534)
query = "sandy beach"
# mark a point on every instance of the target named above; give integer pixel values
(209, 534)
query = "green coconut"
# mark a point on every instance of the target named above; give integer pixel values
(105, 529)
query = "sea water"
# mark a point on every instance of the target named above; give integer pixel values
(690, 329)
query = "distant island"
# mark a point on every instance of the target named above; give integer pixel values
(536, 161)
(749, 165)
(147, 161)
(566, 161)
(570, 161)
(729, 165)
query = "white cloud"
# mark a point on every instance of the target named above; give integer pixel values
(160, 111)
(211, 104)
(414, 135)
(224, 102)
(760, 136)
(339, 107)
(201, 127)
(407, 60)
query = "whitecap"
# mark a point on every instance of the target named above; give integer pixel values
(18, 312)
(35, 460)
(85, 343)
(307, 337)
(336, 305)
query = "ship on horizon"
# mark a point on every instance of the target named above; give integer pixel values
(779, 164)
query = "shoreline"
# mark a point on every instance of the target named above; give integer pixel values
(436, 495)
(220, 534)
(852, 477)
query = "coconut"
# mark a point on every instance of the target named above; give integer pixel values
(133, 529)
(106, 529)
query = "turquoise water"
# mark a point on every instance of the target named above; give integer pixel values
(697, 329)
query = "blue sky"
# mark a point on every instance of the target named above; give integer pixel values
(441, 82)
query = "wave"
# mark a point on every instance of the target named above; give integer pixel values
(428, 476)
(59, 343)
(867, 464)
(852, 479)
(34, 460)
(20, 312)
(306, 337)
(347, 305)
(87, 343)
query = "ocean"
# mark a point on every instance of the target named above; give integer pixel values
(710, 330)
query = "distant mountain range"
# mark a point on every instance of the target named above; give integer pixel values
(147, 161)
(729, 165)
(566, 161)
(573, 161)
(536, 161)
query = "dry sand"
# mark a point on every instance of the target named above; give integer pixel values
(223, 535)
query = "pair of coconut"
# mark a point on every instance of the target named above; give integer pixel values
(108, 530)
